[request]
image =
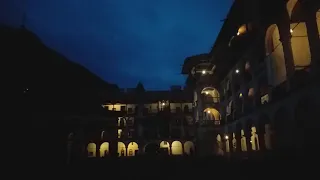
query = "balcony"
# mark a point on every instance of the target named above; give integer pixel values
(209, 123)
(211, 100)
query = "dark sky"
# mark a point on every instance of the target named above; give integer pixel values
(124, 41)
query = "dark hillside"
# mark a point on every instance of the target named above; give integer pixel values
(45, 78)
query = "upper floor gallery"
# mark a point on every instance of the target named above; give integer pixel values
(264, 50)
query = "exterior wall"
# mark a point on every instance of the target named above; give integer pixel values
(124, 136)
(280, 120)
(152, 107)
(261, 97)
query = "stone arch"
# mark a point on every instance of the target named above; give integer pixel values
(299, 36)
(130, 121)
(133, 149)
(166, 146)
(102, 135)
(176, 148)
(219, 150)
(121, 149)
(104, 149)
(122, 121)
(92, 149)
(213, 114)
(254, 139)
(234, 142)
(265, 128)
(212, 92)
(274, 50)
(300, 45)
(229, 109)
(243, 141)
(227, 143)
(151, 148)
(189, 148)
(195, 96)
(250, 134)
(290, 6)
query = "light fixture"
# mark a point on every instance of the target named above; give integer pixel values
(163, 104)
(227, 137)
(207, 92)
(237, 71)
(203, 71)
(238, 33)
(291, 30)
(208, 112)
(240, 95)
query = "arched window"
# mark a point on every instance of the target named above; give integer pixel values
(275, 56)
(299, 41)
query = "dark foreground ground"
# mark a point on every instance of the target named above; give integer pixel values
(189, 168)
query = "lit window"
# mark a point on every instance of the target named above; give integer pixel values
(251, 92)
(119, 133)
(265, 99)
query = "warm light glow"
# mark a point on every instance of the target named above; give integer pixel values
(176, 148)
(132, 148)
(227, 137)
(204, 72)
(208, 112)
(240, 95)
(237, 71)
(104, 149)
(212, 92)
(91, 149)
(165, 144)
(121, 149)
(163, 104)
(216, 115)
(119, 133)
(242, 29)
(291, 30)
(188, 147)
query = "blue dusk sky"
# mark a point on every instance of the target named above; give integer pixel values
(124, 41)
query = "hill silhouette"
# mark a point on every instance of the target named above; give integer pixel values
(42, 88)
(45, 79)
